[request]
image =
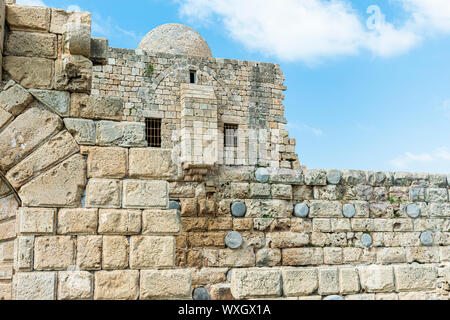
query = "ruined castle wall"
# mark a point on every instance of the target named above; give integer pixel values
(88, 211)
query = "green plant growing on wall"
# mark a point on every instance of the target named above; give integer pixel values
(150, 70)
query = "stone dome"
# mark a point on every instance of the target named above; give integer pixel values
(176, 39)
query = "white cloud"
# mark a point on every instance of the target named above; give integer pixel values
(311, 30)
(31, 3)
(74, 8)
(438, 160)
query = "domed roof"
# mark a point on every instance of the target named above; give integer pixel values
(176, 39)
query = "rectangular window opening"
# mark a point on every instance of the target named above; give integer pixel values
(193, 76)
(231, 135)
(153, 132)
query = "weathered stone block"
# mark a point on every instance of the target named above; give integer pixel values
(7, 230)
(377, 278)
(107, 162)
(145, 194)
(24, 134)
(82, 130)
(436, 195)
(328, 281)
(150, 252)
(287, 239)
(36, 221)
(36, 286)
(302, 256)
(348, 280)
(315, 177)
(255, 283)
(259, 190)
(120, 222)
(73, 73)
(58, 101)
(56, 149)
(267, 257)
(30, 44)
(152, 163)
(332, 256)
(115, 252)
(24, 253)
(53, 253)
(415, 277)
(166, 222)
(207, 239)
(99, 50)
(100, 107)
(15, 99)
(104, 193)
(77, 221)
(167, 284)
(5, 291)
(61, 186)
(75, 285)
(391, 255)
(89, 252)
(332, 209)
(77, 38)
(60, 18)
(300, 281)
(30, 72)
(8, 207)
(116, 285)
(28, 18)
(123, 134)
(281, 191)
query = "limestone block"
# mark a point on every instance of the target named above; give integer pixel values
(328, 281)
(5, 117)
(115, 252)
(353, 177)
(15, 99)
(315, 177)
(99, 50)
(36, 286)
(5, 291)
(116, 285)
(436, 195)
(281, 191)
(28, 18)
(267, 257)
(73, 73)
(164, 222)
(82, 130)
(422, 255)
(100, 107)
(24, 249)
(439, 210)
(332, 256)
(152, 251)
(285, 176)
(302, 256)
(56, 149)
(391, 255)
(119, 222)
(377, 278)
(145, 194)
(256, 283)
(8, 207)
(57, 101)
(24, 134)
(287, 239)
(361, 297)
(7, 252)
(61, 186)
(415, 277)
(107, 162)
(30, 44)
(123, 134)
(348, 280)
(36, 221)
(77, 38)
(331, 209)
(4, 189)
(178, 190)
(77, 221)
(53, 253)
(152, 163)
(7, 230)
(89, 252)
(259, 190)
(299, 281)
(244, 257)
(76, 285)
(166, 284)
(30, 72)
(269, 208)
(104, 193)
(60, 18)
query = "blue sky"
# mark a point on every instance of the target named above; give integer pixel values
(369, 96)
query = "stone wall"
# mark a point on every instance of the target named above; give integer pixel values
(88, 211)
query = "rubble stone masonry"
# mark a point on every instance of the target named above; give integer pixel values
(89, 211)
